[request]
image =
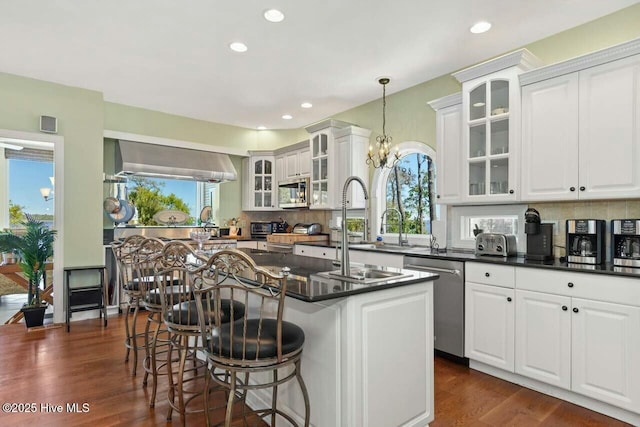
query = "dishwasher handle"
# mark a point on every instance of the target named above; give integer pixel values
(432, 269)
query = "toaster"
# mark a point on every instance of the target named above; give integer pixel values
(496, 244)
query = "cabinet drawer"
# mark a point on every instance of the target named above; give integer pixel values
(314, 251)
(599, 287)
(489, 274)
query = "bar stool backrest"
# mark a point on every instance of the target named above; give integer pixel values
(124, 253)
(143, 261)
(232, 275)
(172, 273)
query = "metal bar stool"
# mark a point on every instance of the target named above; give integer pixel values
(173, 272)
(133, 291)
(144, 258)
(257, 341)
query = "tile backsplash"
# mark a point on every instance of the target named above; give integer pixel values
(598, 209)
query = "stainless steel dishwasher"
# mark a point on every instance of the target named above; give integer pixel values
(448, 302)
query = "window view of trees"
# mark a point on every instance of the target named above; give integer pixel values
(27, 171)
(409, 188)
(148, 198)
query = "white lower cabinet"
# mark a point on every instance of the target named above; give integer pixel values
(543, 337)
(605, 362)
(489, 325)
(314, 251)
(573, 341)
(249, 244)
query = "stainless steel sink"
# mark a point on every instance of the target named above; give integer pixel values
(362, 246)
(391, 247)
(365, 275)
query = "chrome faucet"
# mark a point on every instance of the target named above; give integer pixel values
(401, 241)
(344, 261)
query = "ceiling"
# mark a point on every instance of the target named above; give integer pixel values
(174, 56)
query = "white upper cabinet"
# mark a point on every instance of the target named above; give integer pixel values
(259, 182)
(610, 130)
(490, 127)
(550, 139)
(338, 150)
(581, 127)
(448, 148)
(293, 161)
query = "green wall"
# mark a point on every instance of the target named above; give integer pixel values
(83, 116)
(80, 121)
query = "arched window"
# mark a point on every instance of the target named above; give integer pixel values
(409, 187)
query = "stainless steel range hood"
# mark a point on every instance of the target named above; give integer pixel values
(161, 161)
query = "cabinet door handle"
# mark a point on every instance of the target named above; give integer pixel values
(572, 188)
(509, 299)
(582, 188)
(575, 309)
(438, 196)
(487, 274)
(511, 191)
(570, 284)
(564, 308)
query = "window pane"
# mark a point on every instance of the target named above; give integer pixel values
(409, 188)
(26, 177)
(152, 195)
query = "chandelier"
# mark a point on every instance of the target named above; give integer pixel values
(381, 158)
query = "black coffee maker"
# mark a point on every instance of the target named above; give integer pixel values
(625, 242)
(539, 237)
(586, 241)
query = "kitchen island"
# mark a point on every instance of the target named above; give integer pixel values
(368, 354)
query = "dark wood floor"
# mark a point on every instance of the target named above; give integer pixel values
(54, 367)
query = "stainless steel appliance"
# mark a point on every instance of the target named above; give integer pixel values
(496, 244)
(313, 228)
(539, 237)
(625, 242)
(293, 193)
(586, 241)
(260, 229)
(448, 302)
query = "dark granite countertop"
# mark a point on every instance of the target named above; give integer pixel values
(304, 282)
(518, 261)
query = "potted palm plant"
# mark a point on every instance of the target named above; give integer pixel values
(33, 248)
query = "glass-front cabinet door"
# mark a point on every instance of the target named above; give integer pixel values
(263, 182)
(488, 130)
(320, 169)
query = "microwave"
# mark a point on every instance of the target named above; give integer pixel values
(293, 193)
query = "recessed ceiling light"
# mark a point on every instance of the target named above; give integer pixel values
(238, 47)
(480, 27)
(306, 105)
(262, 127)
(287, 116)
(478, 104)
(273, 15)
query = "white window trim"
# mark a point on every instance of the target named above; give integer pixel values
(378, 198)
(460, 212)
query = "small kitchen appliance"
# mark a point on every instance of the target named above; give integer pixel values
(585, 241)
(496, 244)
(313, 228)
(260, 229)
(625, 242)
(539, 237)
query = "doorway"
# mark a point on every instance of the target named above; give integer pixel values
(31, 167)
